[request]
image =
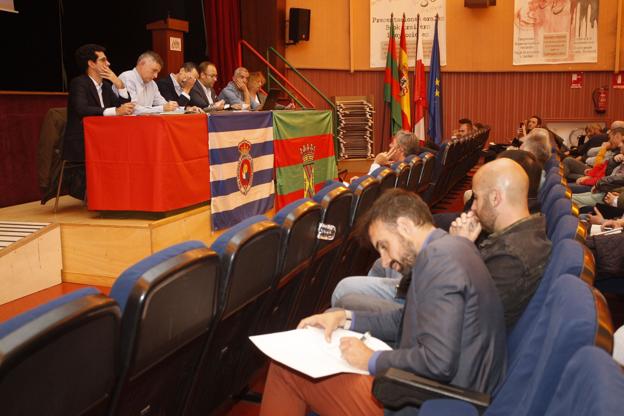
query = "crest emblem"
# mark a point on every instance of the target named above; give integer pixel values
(244, 175)
(307, 156)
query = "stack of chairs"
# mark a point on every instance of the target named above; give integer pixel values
(563, 337)
(172, 336)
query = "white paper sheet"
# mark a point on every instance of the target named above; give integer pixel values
(306, 350)
(596, 230)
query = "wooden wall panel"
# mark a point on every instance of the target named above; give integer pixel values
(499, 99)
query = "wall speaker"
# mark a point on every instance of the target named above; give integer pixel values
(299, 25)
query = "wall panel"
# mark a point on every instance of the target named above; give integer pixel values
(500, 99)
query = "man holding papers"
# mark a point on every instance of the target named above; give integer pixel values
(451, 329)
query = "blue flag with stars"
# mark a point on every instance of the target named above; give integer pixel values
(435, 91)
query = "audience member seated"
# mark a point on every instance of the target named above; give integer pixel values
(594, 137)
(515, 251)
(465, 129)
(90, 94)
(236, 92)
(535, 122)
(538, 143)
(177, 87)
(257, 97)
(613, 179)
(203, 94)
(574, 169)
(404, 143)
(142, 87)
(451, 329)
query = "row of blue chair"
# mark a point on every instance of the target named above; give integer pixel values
(565, 325)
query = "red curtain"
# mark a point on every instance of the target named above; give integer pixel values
(223, 33)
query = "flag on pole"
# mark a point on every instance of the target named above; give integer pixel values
(420, 89)
(404, 90)
(435, 91)
(391, 82)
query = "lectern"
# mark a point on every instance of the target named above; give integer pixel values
(168, 42)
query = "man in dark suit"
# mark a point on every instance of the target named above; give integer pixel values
(451, 328)
(91, 94)
(203, 94)
(177, 87)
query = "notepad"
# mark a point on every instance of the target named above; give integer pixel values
(596, 230)
(307, 351)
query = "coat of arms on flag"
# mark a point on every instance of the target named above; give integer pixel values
(244, 177)
(307, 156)
(241, 166)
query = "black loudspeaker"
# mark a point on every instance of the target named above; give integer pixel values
(299, 25)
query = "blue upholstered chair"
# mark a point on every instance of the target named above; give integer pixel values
(573, 316)
(568, 227)
(336, 202)
(249, 254)
(60, 358)
(426, 175)
(169, 303)
(591, 384)
(402, 171)
(299, 223)
(557, 191)
(559, 208)
(385, 176)
(416, 166)
(549, 182)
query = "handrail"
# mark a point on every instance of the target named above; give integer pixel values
(307, 81)
(290, 94)
(243, 42)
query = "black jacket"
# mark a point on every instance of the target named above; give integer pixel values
(199, 98)
(83, 101)
(167, 90)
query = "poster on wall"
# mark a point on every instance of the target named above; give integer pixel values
(380, 11)
(555, 31)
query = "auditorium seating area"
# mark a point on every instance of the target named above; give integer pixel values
(564, 336)
(172, 336)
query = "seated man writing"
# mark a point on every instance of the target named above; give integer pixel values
(450, 330)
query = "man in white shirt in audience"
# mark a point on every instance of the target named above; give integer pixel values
(142, 87)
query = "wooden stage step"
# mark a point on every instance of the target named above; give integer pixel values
(96, 249)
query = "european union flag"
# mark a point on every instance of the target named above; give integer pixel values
(435, 91)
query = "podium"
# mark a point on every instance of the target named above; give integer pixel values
(168, 42)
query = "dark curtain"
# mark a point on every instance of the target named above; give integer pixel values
(222, 35)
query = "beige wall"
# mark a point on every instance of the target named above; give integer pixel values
(478, 40)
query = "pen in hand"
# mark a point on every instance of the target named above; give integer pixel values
(365, 336)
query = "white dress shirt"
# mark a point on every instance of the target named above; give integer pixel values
(110, 111)
(144, 95)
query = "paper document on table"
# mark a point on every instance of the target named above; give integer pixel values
(307, 351)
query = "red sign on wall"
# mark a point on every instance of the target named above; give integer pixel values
(577, 80)
(618, 81)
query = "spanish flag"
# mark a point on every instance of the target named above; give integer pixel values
(404, 90)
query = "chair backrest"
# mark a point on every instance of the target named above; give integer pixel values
(299, 223)
(249, 254)
(426, 175)
(556, 192)
(366, 190)
(336, 203)
(568, 256)
(49, 150)
(169, 303)
(551, 180)
(416, 166)
(591, 384)
(385, 176)
(568, 321)
(402, 171)
(60, 358)
(559, 208)
(568, 227)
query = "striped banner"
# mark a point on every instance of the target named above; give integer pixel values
(241, 166)
(304, 153)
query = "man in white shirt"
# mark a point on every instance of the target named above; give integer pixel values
(142, 87)
(203, 94)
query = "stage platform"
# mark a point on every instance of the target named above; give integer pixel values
(97, 247)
